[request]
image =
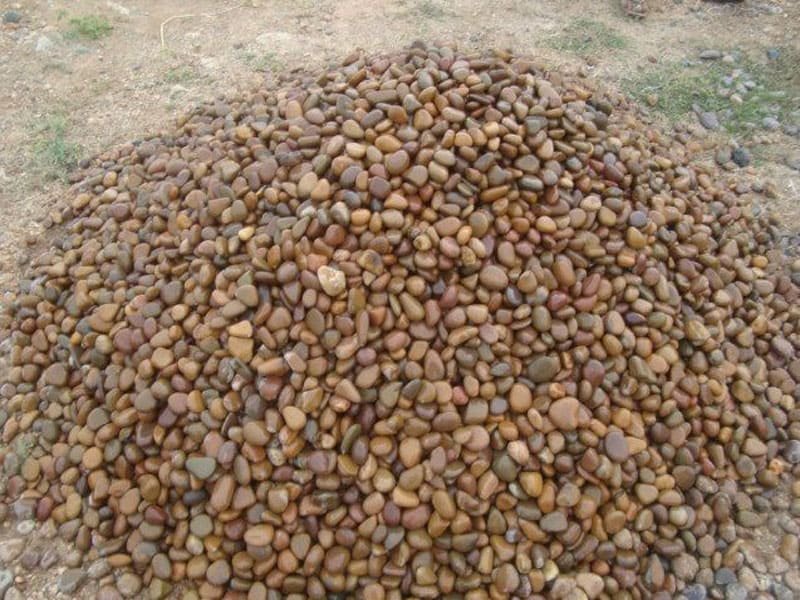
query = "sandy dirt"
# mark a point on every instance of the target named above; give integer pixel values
(65, 94)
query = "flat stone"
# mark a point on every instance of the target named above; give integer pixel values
(50, 557)
(71, 580)
(724, 576)
(10, 550)
(616, 446)
(554, 522)
(493, 277)
(172, 292)
(736, 591)
(505, 468)
(709, 120)
(29, 559)
(55, 374)
(219, 572)
(158, 589)
(129, 585)
(201, 467)
(695, 592)
(791, 451)
(201, 525)
(13, 593)
(97, 569)
(543, 369)
(646, 493)
(590, 583)
(108, 592)
(685, 567)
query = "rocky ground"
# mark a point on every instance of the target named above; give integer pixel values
(77, 78)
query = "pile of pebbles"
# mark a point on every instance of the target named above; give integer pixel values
(426, 325)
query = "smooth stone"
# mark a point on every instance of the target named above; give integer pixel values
(724, 576)
(70, 580)
(97, 569)
(11, 549)
(129, 585)
(543, 369)
(201, 467)
(736, 591)
(493, 277)
(616, 446)
(554, 522)
(108, 592)
(695, 592)
(564, 413)
(505, 467)
(709, 120)
(219, 572)
(791, 451)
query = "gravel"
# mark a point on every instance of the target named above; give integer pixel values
(426, 324)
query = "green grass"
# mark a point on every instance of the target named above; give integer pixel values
(430, 9)
(585, 36)
(182, 74)
(53, 155)
(676, 88)
(89, 27)
(268, 61)
(423, 12)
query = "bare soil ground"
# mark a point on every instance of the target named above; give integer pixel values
(78, 77)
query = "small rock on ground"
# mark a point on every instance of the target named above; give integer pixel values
(44, 44)
(710, 54)
(12, 16)
(741, 157)
(708, 119)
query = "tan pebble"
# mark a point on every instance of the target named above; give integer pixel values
(294, 417)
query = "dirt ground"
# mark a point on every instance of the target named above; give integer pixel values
(78, 77)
